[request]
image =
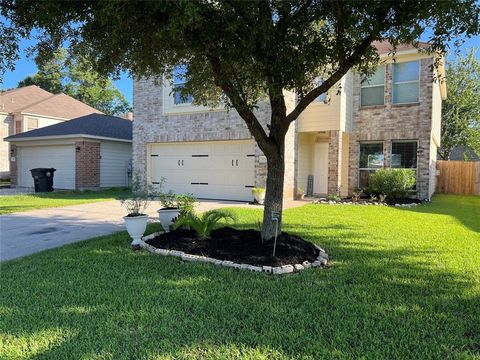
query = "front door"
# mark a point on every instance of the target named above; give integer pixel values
(320, 168)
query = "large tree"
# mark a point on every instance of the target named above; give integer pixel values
(461, 109)
(242, 52)
(76, 77)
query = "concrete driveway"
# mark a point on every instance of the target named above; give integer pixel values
(29, 232)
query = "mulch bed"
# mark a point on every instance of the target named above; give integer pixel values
(239, 246)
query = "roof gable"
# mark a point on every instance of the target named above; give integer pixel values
(60, 106)
(16, 99)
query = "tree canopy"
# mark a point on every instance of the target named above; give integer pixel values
(76, 77)
(240, 52)
(461, 109)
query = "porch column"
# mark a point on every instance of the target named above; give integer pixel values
(334, 162)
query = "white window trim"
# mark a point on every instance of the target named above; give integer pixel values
(406, 82)
(372, 86)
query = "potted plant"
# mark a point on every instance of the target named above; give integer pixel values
(169, 210)
(136, 219)
(300, 193)
(259, 195)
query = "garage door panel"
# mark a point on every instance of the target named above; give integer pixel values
(215, 170)
(62, 158)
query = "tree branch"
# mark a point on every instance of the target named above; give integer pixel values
(256, 129)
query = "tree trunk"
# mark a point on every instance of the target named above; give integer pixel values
(274, 193)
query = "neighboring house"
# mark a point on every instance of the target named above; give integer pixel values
(88, 152)
(463, 153)
(29, 108)
(391, 120)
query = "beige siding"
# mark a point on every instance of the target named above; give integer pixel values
(306, 144)
(6, 127)
(319, 116)
(346, 110)
(432, 169)
(114, 161)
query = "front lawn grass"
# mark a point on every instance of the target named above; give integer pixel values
(403, 284)
(23, 202)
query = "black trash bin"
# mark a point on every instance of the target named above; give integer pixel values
(43, 179)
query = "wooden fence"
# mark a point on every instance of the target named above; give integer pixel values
(458, 177)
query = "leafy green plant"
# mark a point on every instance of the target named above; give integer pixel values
(394, 183)
(258, 191)
(168, 200)
(138, 201)
(206, 222)
(356, 194)
(185, 203)
(334, 197)
(300, 191)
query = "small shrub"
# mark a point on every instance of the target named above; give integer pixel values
(382, 198)
(356, 194)
(206, 222)
(334, 197)
(185, 203)
(394, 183)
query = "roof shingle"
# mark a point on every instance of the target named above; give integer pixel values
(94, 125)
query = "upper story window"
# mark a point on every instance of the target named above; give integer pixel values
(322, 98)
(179, 80)
(18, 126)
(406, 82)
(372, 91)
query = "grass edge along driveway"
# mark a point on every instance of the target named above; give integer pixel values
(403, 284)
(24, 202)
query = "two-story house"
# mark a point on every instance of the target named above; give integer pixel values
(30, 107)
(391, 119)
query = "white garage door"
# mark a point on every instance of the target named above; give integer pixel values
(60, 157)
(209, 170)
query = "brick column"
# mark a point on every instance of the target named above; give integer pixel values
(13, 165)
(334, 162)
(87, 164)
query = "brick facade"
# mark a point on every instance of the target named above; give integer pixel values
(151, 125)
(335, 162)
(87, 164)
(388, 122)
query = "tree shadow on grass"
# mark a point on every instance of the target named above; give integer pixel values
(109, 302)
(466, 209)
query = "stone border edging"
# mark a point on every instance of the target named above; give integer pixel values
(321, 261)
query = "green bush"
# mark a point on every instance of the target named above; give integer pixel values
(394, 183)
(204, 223)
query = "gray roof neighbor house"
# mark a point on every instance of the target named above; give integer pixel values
(92, 151)
(97, 125)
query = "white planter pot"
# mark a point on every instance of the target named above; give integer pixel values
(136, 226)
(166, 217)
(259, 197)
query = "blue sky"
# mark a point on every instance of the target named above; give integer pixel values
(26, 66)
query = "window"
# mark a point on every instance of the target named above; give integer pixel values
(406, 81)
(371, 159)
(32, 124)
(372, 90)
(18, 126)
(322, 98)
(179, 80)
(404, 154)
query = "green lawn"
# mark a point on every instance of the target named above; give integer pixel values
(16, 203)
(403, 284)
